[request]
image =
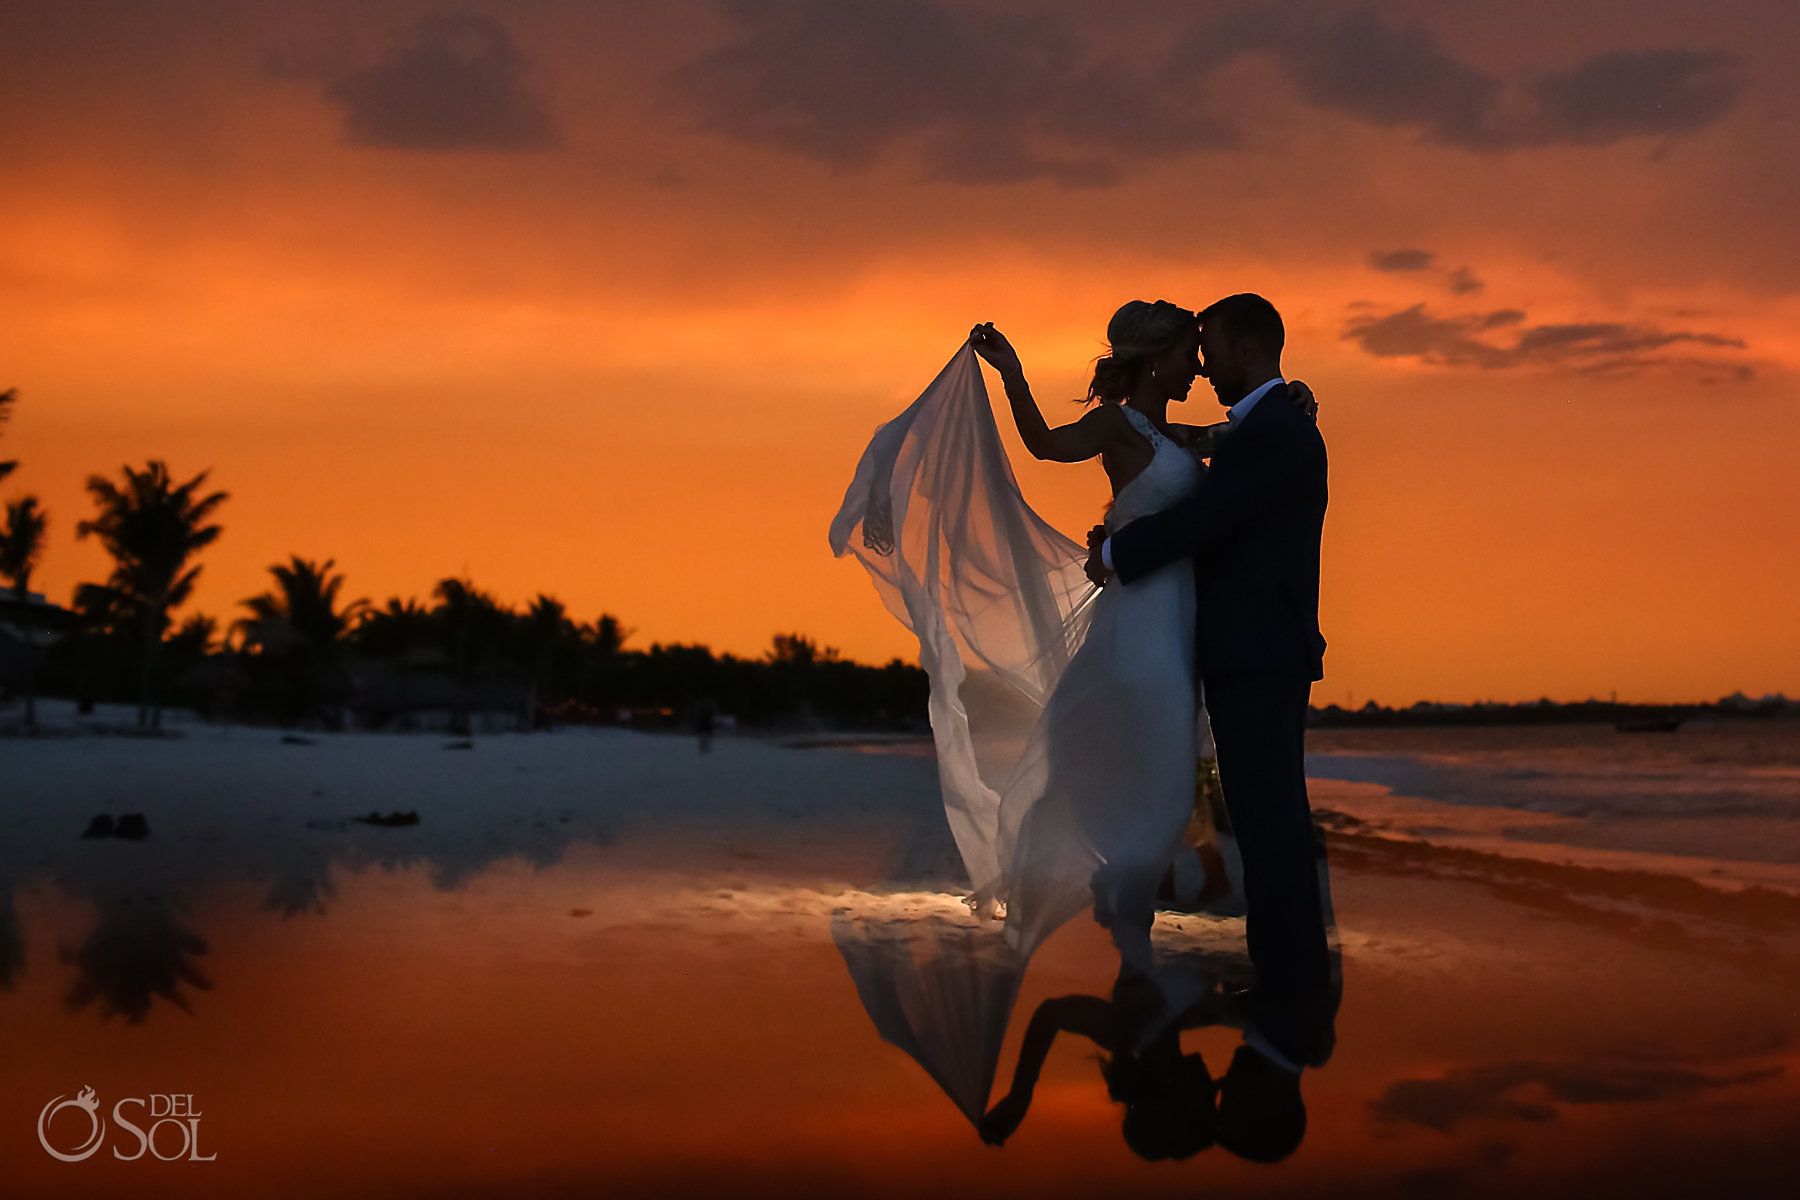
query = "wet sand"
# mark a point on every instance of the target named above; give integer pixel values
(603, 962)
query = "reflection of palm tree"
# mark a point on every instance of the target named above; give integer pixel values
(21, 545)
(152, 527)
(12, 943)
(137, 952)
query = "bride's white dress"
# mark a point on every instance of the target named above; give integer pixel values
(1090, 807)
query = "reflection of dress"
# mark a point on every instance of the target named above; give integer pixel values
(1094, 807)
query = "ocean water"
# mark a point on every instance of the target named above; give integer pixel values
(1716, 800)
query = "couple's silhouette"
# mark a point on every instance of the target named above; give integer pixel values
(1202, 582)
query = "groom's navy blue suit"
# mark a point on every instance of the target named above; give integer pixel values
(1252, 528)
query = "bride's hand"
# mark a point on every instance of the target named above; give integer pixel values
(994, 349)
(1004, 1118)
(1303, 398)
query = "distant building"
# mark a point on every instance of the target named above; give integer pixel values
(28, 625)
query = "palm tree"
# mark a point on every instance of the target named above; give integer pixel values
(197, 636)
(607, 635)
(473, 624)
(305, 608)
(152, 527)
(394, 630)
(7, 398)
(549, 630)
(301, 626)
(21, 542)
(21, 545)
(800, 650)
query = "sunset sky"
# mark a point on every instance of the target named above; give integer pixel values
(604, 300)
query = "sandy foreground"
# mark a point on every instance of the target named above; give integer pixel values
(602, 961)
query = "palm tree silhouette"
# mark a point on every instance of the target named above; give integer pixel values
(7, 399)
(304, 606)
(473, 623)
(301, 625)
(549, 630)
(394, 630)
(21, 545)
(152, 527)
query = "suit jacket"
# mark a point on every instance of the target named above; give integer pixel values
(1252, 528)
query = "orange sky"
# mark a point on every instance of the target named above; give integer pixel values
(577, 299)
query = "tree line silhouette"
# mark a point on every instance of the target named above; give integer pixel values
(301, 653)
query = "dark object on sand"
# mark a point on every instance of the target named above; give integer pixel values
(459, 745)
(392, 820)
(1649, 725)
(132, 827)
(294, 739)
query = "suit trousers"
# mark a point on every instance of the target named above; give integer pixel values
(1259, 724)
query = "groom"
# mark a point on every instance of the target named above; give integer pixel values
(1252, 528)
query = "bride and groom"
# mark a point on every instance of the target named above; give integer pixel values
(1203, 581)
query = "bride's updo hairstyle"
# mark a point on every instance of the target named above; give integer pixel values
(1137, 333)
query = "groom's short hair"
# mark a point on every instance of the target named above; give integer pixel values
(1250, 317)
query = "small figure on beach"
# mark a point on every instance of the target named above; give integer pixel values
(705, 718)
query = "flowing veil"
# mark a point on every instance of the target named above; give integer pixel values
(936, 517)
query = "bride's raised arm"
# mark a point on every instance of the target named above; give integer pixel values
(1099, 430)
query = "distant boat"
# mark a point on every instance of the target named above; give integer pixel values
(1649, 725)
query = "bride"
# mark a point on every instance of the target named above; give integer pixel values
(1093, 809)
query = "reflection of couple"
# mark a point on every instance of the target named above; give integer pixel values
(1204, 580)
(1174, 1108)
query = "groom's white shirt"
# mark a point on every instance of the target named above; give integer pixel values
(1241, 409)
(1233, 416)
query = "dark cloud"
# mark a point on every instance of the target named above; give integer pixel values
(1591, 347)
(1400, 260)
(1462, 282)
(1489, 1091)
(1645, 92)
(1391, 75)
(1357, 63)
(455, 81)
(1414, 333)
(982, 96)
